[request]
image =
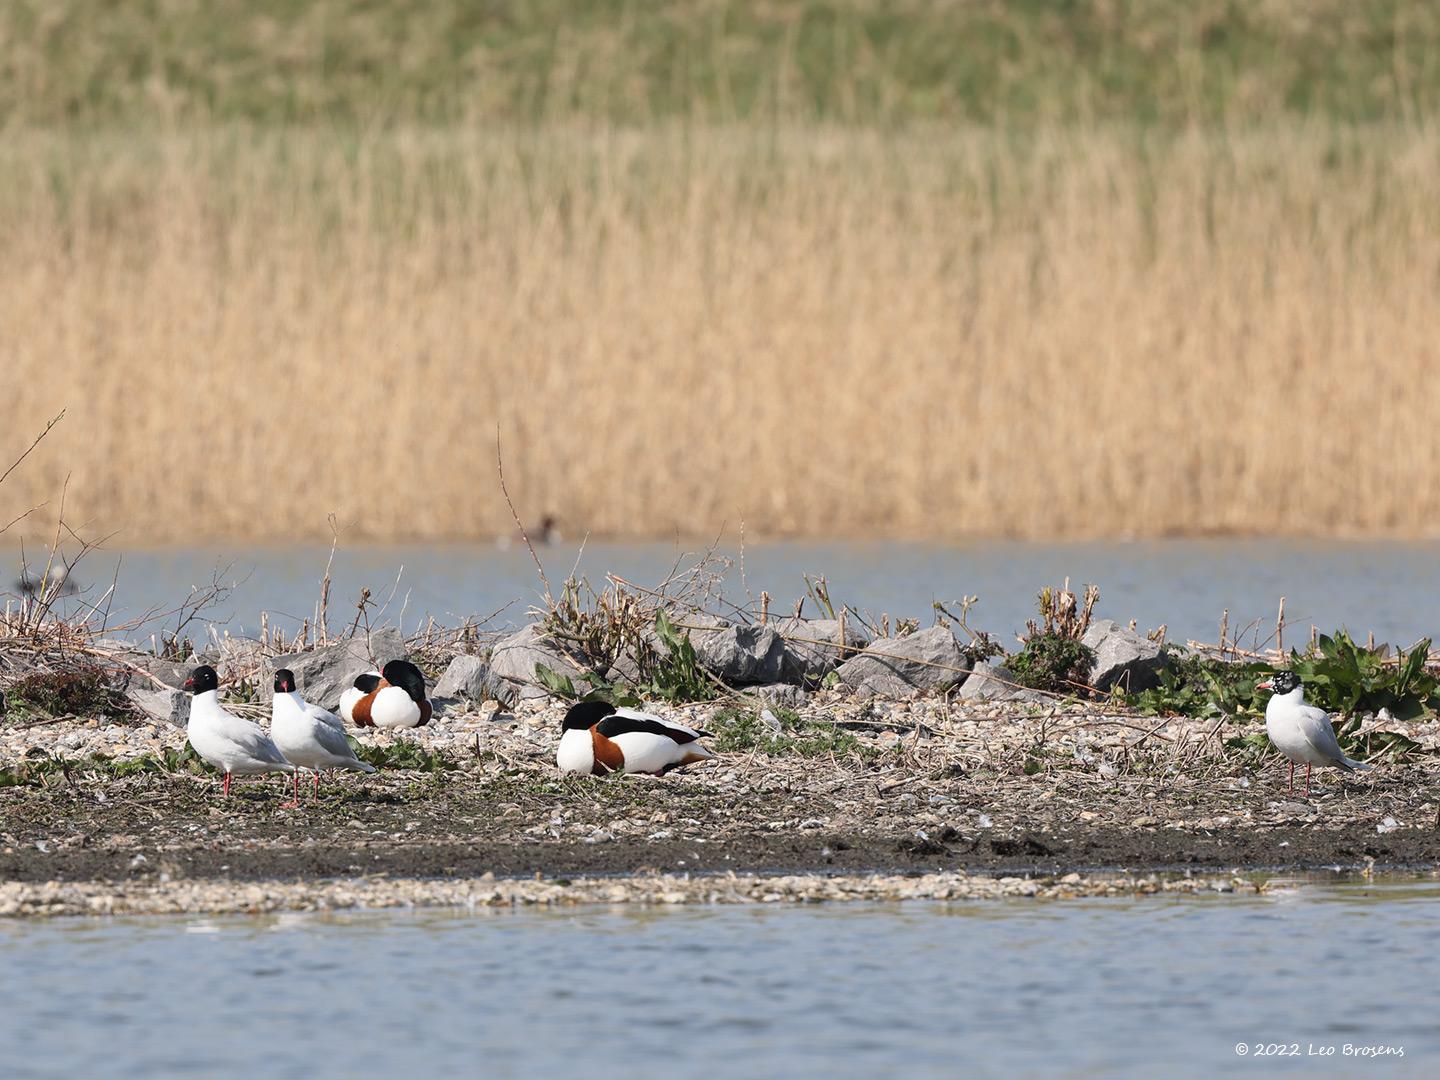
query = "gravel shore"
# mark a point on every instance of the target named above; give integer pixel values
(928, 787)
(254, 898)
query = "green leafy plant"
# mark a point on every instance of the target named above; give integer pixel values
(1201, 686)
(406, 756)
(1052, 662)
(745, 730)
(1342, 676)
(677, 675)
(33, 772)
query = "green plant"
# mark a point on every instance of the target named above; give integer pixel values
(1342, 676)
(1052, 662)
(672, 673)
(33, 772)
(677, 675)
(744, 730)
(1196, 685)
(407, 756)
(81, 691)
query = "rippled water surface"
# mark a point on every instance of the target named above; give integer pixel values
(1015, 988)
(1390, 588)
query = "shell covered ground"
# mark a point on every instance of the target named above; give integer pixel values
(842, 787)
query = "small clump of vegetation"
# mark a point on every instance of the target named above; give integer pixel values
(1197, 685)
(38, 771)
(672, 674)
(1054, 664)
(77, 691)
(745, 730)
(1052, 656)
(406, 756)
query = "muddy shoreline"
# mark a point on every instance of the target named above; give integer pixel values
(929, 787)
(177, 829)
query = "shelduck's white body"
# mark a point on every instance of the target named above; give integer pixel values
(393, 707)
(364, 684)
(598, 738)
(397, 700)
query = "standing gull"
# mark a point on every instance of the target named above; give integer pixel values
(311, 737)
(1301, 732)
(231, 744)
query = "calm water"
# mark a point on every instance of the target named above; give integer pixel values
(1015, 988)
(1390, 588)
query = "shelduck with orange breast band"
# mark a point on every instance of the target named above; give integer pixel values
(398, 700)
(598, 738)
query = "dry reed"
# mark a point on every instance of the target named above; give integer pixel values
(936, 333)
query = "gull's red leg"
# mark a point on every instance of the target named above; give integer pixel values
(225, 788)
(317, 785)
(1292, 778)
(295, 775)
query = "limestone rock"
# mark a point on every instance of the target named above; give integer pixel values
(738, 654)
(467, 677)
(807, 659)
(513, 661)
(988, 682)
(323, 674)
(924, 662)
(166, 706)
(1123, 657)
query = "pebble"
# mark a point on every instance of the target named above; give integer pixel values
(174, 897)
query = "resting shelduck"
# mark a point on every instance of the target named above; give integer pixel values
(398, 700)
(309, 736)
(231, 744)
(364, 684)
(598, 738)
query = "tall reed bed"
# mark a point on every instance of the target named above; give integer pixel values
(824, 332)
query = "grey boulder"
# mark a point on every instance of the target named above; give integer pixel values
(171, 673)
(812, 647)
(467, 677)
(987, 682)
(740, 655)
(1123, 658)
(737, 654)
(513, 660)
(323, 674)
(926, 661)
(166, 706)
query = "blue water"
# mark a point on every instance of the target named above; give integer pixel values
(1390, 588)
(1114, 987)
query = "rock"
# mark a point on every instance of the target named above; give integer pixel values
(167, 706)
(323, 674)
(172, 673)
(791, 697)
(807, 659)
(466, 677)
(742, 655)
(926, 661)
(1123, 657)
(988, 682)
(513, 661)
